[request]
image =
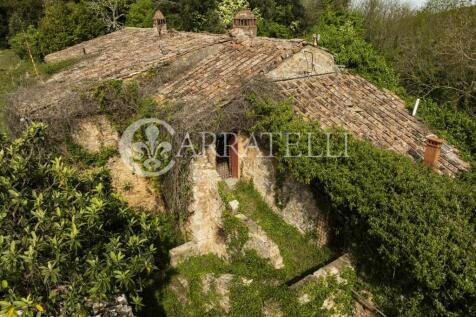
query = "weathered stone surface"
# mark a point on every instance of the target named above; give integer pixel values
(206, 209)
(133, 188)
(334, 268)
(95, 134)
(309, 61)
(261, 243)
(272, 309)
(220, 286)
(234, 205)
(181, 288)
(294, 202)
(183, 252)
(117, 307)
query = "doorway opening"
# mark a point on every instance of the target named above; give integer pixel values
(227, 160)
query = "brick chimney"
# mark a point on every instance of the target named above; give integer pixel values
(246, 21)
(159, 22)
(433, 151)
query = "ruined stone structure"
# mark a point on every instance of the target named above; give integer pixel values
(214, 70)
(246, 21)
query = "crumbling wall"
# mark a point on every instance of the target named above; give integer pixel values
(294, 202)
(206, 209)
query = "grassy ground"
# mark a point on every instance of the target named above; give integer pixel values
(266, 284)
(299, 252)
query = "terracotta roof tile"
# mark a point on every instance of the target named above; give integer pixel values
(353, 103)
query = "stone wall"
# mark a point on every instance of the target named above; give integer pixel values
(294, 202)
(307, 62)
(206, 209)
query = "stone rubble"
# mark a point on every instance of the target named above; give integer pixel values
(118, 307)
(261, 243)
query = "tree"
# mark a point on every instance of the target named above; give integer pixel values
(63, 25)
(192, 15)
(65, 236)
(227, 9)
(140, 14)
(111, 12)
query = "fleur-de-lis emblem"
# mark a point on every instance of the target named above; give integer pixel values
(153, 153)
(152, 149)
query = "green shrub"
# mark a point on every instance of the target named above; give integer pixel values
(343, 34)
(22, 42)
(140, 14)
(411, 227)
(66, 237)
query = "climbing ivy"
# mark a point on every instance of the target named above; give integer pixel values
(410, 227)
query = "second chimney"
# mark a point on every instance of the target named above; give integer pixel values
(433, 151)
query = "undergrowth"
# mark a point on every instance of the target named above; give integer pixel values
(299, 253)
(255, 283)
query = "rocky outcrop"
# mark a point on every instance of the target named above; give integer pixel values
(334, 268)
(135, 189)
(118, 307)
(220, 286)
(261, 243)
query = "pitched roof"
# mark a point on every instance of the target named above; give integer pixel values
(220, 65)
(351, 102)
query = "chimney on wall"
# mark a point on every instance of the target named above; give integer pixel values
(159, 22)
(246, 21)
(433, 151)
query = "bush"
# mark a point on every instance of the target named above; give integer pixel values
(412, 228)
(65, 237)
(343, 34)
(22, 42)
(141, 14)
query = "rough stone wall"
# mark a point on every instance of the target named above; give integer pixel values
(294, 202)
(95, 133)
(309, 61)
(206, 209)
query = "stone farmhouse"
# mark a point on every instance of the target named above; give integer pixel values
(216, 67)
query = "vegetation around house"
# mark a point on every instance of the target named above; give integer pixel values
(66, 237)
(410, 227)
(254, 282)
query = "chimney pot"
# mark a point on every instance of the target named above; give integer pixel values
(433, 151)
(159, 22)
(246, 21)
